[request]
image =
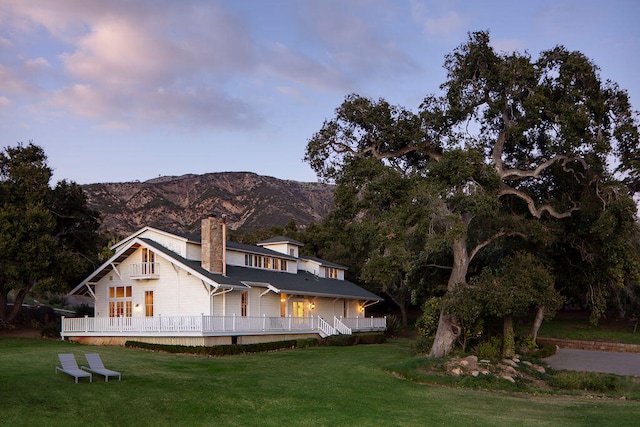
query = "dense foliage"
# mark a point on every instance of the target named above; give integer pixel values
(502, 162)
(47, 235)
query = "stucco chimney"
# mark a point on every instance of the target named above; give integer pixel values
(214, 244)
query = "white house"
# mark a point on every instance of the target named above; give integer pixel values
(167, 288)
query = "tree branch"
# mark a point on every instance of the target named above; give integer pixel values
(534, 173)
(493, 238)
(537, 212)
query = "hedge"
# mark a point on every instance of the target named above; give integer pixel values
(231, 349)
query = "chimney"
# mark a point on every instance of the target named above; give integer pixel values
(214, 244)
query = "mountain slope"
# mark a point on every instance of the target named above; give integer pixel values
(249, 201)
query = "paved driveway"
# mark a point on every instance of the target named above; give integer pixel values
(595, 361)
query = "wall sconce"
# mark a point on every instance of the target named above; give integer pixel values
(312, 306)
(137, 307)
(362, 308)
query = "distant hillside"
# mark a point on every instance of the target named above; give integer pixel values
(250, 202)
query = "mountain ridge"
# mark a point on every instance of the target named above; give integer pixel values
(178, 203)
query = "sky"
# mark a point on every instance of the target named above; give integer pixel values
(130, 90)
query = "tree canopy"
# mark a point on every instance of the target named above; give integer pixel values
(511, 145)
(48, 236)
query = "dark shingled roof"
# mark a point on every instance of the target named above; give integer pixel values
(302, 283)
(280, 239)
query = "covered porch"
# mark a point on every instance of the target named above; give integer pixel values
(211, 326)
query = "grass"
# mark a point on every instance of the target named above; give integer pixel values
(325, 386)
(578, 328)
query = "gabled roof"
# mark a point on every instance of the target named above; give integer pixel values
(303, 283)
(193, 267)
(183, 237)
(322, 262)
(257, 250)
(280, 239)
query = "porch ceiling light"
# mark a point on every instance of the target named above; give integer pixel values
(312, 306)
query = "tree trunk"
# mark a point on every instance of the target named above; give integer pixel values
(401, 301)
(537, 322)
(3, 305)
(17, 305)
(403, 314)
(446, 335)
(448, 327)
(508, 338)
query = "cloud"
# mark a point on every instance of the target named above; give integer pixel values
(5, 102)
(438, 22)
(356, 40)
(144, 62)
(508, 45)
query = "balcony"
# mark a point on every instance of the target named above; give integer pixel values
(145, 271)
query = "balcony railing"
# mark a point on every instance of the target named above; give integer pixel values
(212, 325)
(145, 270)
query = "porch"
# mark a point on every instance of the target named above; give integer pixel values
(209, 326)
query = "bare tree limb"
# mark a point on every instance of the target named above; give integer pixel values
(538, 211)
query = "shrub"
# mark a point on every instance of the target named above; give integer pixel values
(393, 325)
(341, 340)
(427, 323)
(423, 344)
(51, 330)
(371, 338)
(84, 310)
(490, 349)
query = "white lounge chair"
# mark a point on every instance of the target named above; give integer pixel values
(70, 367)
(97, 367)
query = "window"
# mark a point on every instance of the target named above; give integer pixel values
(148, 303)
(244, 302)
(298, 309)
(330, 272)
(265, 262)
(148, 262)
(120, 303)
(283, 305)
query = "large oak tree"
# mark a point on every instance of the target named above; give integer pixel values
(511, 141)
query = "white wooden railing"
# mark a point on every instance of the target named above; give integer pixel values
(365, 323)
(341, 327)
(145, 270)
(212, 325)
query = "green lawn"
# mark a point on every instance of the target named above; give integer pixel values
(327, 386)
(578, 328)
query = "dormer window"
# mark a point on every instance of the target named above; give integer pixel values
(269, 263)
(331, 272)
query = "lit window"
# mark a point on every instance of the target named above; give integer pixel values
(120, 303)
(244, 302)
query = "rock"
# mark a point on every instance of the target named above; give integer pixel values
(464, 362)
(526, 362)
(509, 362)
(471, 359)
(486, 362)
(539, 369)
(508, 378)
(475, 373)
(510, 369)
(456, 372)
